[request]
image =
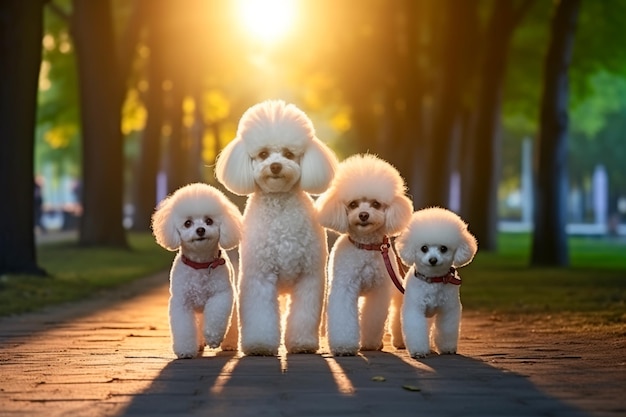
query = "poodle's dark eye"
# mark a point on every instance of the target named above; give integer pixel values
(288, 154)
(376, 205)
(187, 223)
(443, 249)
(352, 205)
(264, 154)
(424, 249)
(208, 221)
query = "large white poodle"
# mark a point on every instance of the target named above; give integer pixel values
(277, 160)
(435, 243)
(199, 221)
(367, 204)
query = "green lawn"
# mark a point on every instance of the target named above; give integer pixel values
(594, 286)
(76, 273)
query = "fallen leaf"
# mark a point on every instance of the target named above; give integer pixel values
(378, 378)
(411, 388)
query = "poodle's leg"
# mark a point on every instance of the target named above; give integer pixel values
(415, 329)
(217, 312)
(199, 333)
(259, 315)
(305, 313)
(373, 317)
(446, 329)
(183, 328)
(395, 324)
(231, 339)
(343, 320)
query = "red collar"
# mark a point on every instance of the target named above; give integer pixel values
(450, 278)
(204, 265)
(371, 246)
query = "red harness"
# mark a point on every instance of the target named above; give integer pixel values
(205, 265)
(450, 278)
(384, 250)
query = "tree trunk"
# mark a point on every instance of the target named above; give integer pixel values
(482, 210)
(549, 244)
(21, 27)
(461, 18)
(103, 162)
(150, 155)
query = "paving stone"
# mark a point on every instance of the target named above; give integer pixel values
(112, 357)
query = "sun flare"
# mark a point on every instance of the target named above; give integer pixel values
(267, 20)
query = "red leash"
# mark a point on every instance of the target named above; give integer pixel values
(384, 250)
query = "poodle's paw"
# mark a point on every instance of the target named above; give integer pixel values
(344, 350)
(212, 340)
(303, 349)
(419, 353)
(448, 352)
(259, 350)
(186, 355)
(372, 346)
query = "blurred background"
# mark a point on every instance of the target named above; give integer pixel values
(449, 91)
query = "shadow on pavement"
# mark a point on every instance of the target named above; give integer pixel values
(375, 383)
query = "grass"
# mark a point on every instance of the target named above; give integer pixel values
(77, 273)
(592, 291)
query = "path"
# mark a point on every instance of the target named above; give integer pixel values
(111, 357)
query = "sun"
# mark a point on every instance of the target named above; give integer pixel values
(267, 20)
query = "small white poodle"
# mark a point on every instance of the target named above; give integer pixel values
(435, 243)
(277, 160)
(366, 203)
(200, 222)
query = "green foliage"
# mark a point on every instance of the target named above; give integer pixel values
(58, 127)
(77, 273)
(595, 284)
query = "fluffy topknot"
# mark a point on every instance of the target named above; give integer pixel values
(367, 175)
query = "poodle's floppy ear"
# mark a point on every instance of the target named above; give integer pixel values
(466, 250)
(230, 229)
(398, 214)
(405, 249)
(163, 226)
(234, 168)
(331, 212)
(318, 167)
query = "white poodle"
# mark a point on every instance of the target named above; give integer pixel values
(277, 160)
(367, 204)
(435, 243)
(199, 221)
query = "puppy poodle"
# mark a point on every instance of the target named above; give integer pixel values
(199, 221)
(367, 204)
(277, 160)
(435, 243)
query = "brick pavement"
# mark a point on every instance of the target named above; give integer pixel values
(110, 356)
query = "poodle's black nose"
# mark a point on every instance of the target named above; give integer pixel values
(432, 261)
(364, 216)
(275, 167)
(200, 231)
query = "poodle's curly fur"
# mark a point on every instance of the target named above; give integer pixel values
(198, 221)
(436, 242)
(365, 203)
(277, 160)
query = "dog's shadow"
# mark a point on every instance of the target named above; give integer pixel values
(374, 383)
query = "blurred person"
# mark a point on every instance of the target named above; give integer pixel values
(38, 205)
